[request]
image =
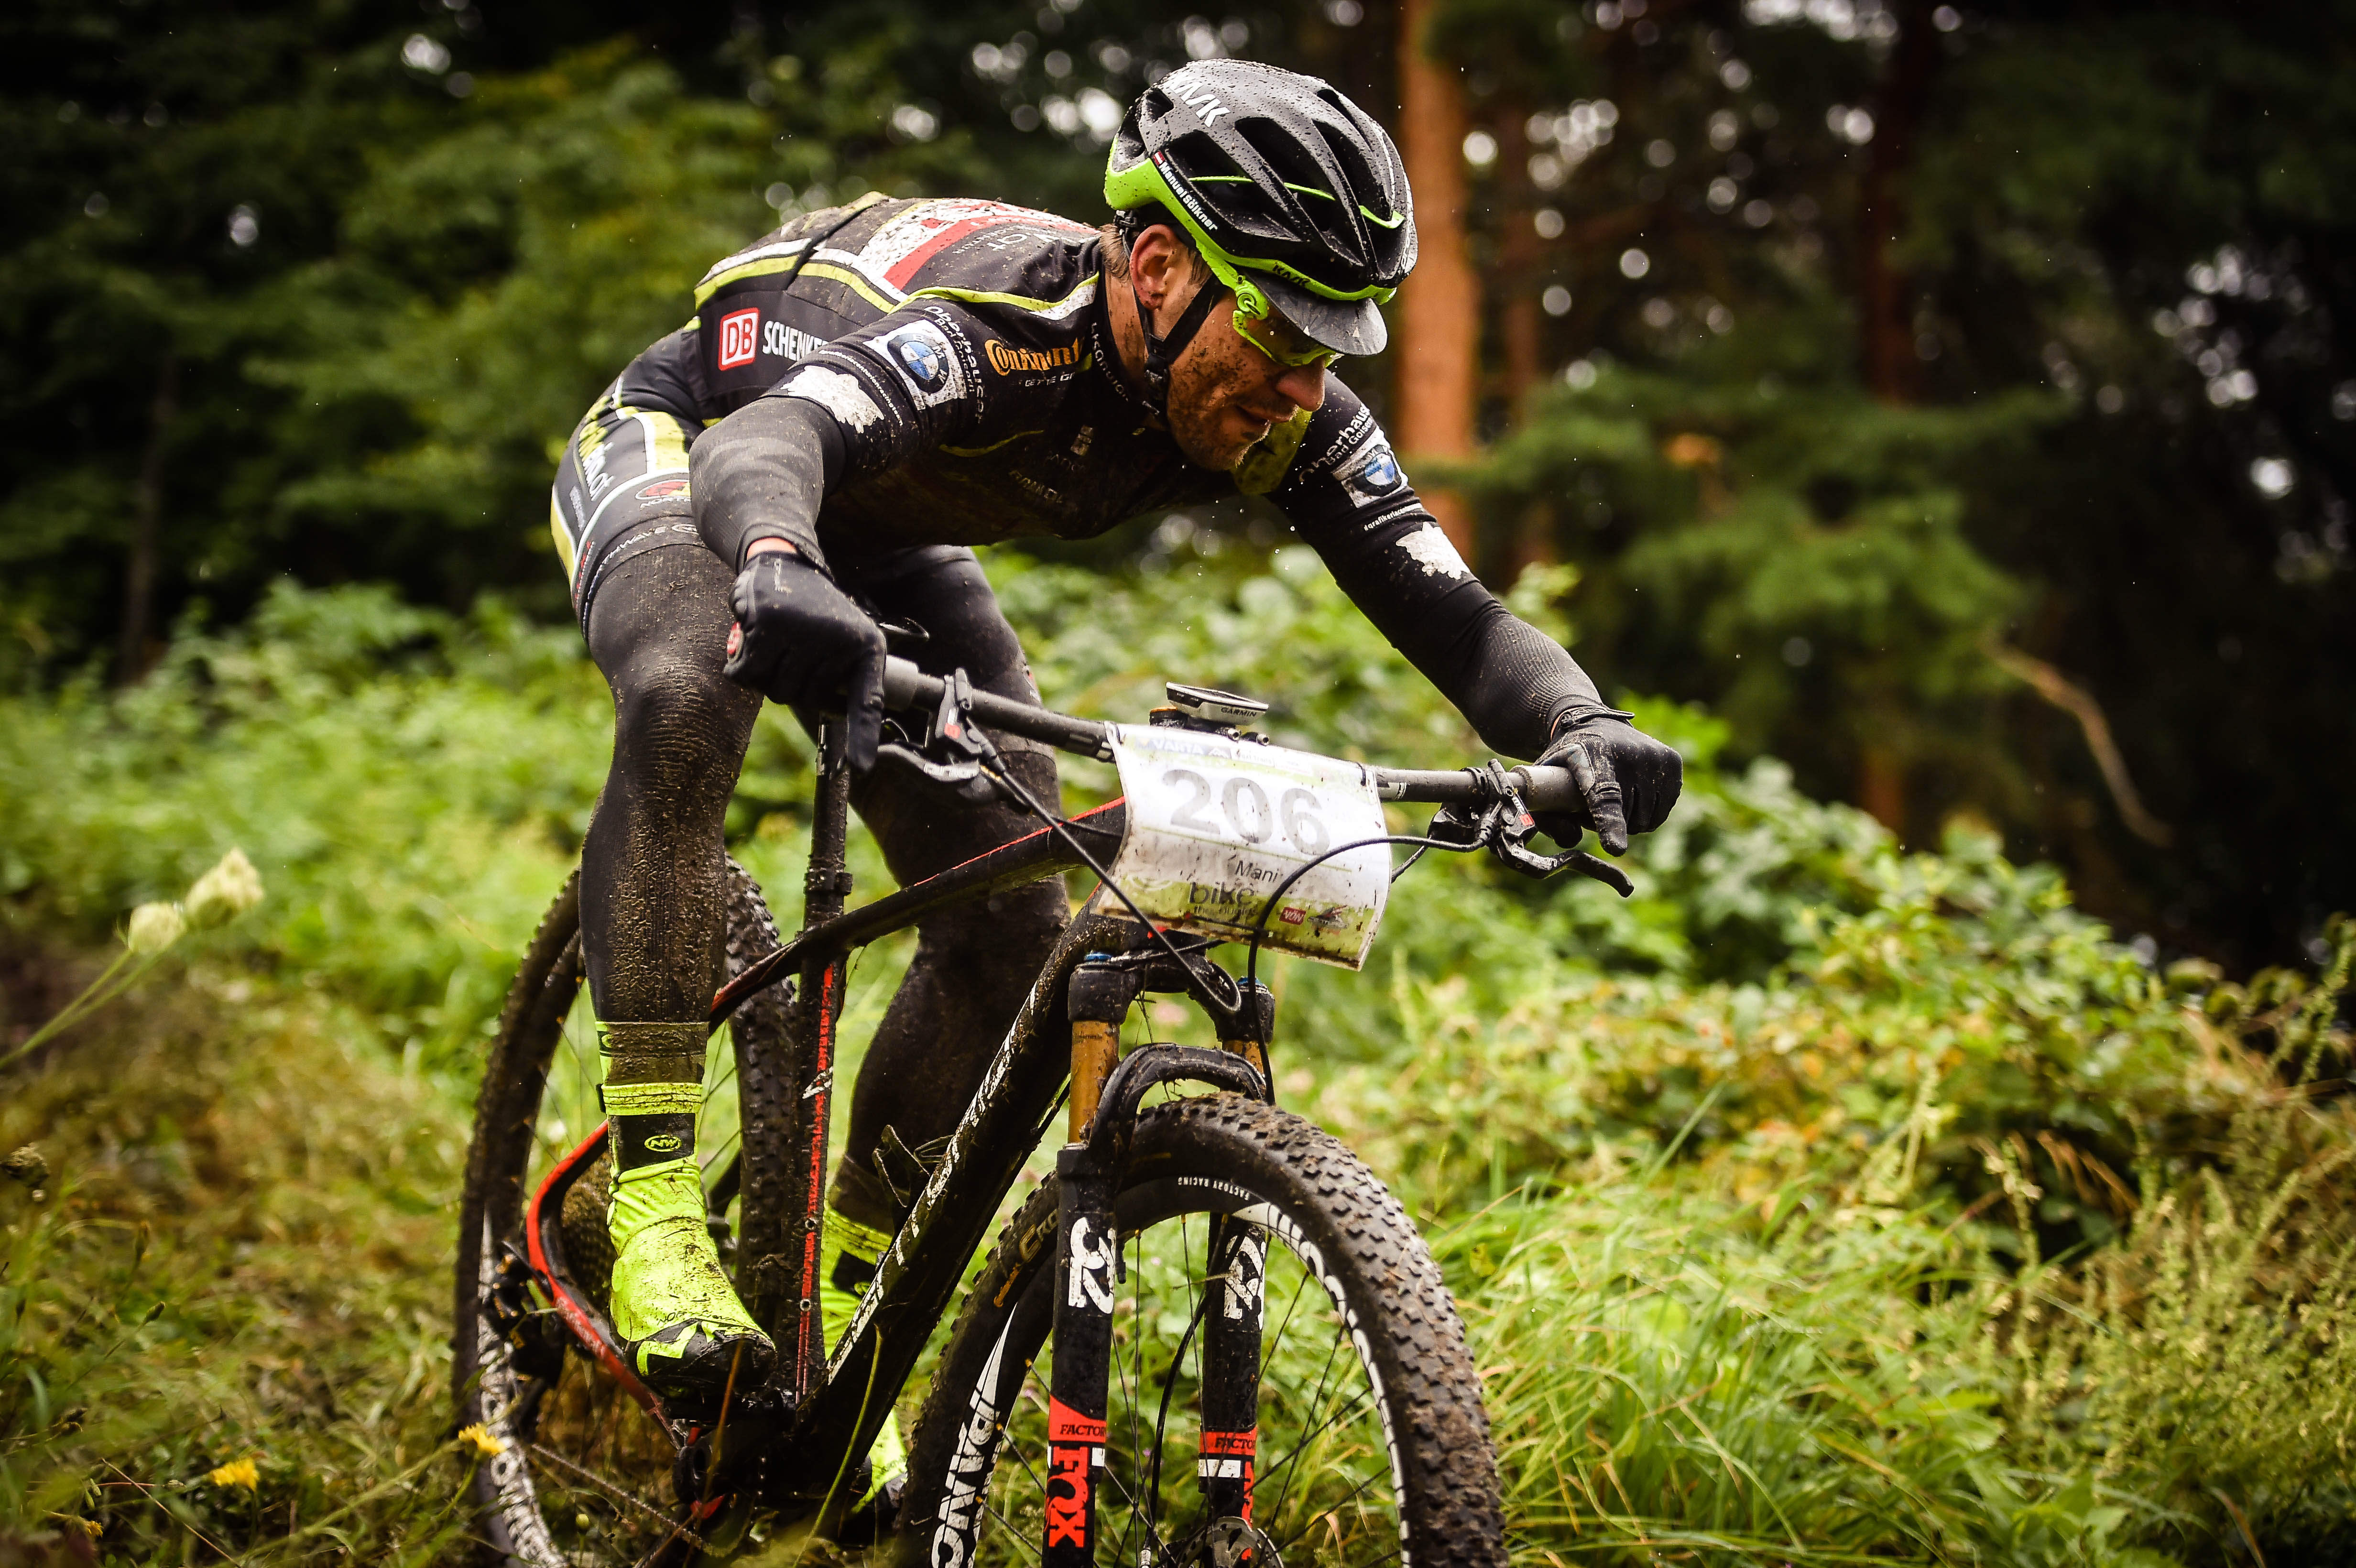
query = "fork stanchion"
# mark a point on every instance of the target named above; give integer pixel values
(1086, 1250)
(1236, 1271)
(1100, 994)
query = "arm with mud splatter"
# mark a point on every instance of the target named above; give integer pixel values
(1346, 495)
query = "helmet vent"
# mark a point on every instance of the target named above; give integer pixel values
(1320, 192)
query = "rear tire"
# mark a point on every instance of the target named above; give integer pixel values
(1327, 1492)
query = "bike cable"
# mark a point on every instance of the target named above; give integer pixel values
(994, 768)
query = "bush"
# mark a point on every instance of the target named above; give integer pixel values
(1819, 1203)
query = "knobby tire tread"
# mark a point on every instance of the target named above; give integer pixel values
(1452, 1505)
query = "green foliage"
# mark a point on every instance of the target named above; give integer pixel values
(238, 1257)
(1824, 1202)
(410, 785)
(1808, 545)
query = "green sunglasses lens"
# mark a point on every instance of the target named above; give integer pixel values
(1254, 331)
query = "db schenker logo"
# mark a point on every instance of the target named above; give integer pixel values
(740, 337)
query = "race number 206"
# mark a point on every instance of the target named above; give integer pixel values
(1249, 814)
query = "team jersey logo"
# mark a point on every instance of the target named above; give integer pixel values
(922, 354)
(662, 489)
(1372, 476)
(740, 337)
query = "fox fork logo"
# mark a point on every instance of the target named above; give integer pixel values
(1075, 1455)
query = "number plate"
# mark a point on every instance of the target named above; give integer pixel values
(1216, 824)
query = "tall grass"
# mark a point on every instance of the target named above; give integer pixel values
(1821, 1204)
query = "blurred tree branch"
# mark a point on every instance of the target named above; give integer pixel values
(2079, 703)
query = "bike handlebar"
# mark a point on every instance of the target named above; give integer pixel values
(906, 686)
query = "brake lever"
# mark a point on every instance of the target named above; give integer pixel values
(951, 730)
(1502, 825)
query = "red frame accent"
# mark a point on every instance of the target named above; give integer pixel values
(589, 1326)
(720, 995)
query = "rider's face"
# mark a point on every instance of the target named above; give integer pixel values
(1225, 393)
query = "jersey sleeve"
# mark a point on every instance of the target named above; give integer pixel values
(906, 382)
(902, 384)
(1346, 495)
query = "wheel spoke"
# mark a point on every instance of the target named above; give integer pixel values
(1314, 1401)
(1301, 1446)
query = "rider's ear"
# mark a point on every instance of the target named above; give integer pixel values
(1158, 262)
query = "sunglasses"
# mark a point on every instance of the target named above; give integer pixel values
(1278, 339)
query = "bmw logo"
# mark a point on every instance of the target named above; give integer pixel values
(923, 362)
(1381, 472)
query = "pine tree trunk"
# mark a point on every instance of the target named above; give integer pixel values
(1887, 358)
(1436, 321)
(1893, 371)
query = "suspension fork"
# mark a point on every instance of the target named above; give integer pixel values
(1234, 1274)
(1088, 1249)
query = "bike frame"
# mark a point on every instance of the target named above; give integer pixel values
(842, 1399)
(799, 1449)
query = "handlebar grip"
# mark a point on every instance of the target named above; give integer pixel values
(1543, 789)
(906, 686)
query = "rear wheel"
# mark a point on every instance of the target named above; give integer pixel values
(1373, 1446)
(584, 1475)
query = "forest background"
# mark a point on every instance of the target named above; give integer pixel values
(1943, 411)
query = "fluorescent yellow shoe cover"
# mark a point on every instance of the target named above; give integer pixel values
(680, 1320)
(847, 1252)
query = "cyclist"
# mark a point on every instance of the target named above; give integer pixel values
(865, 394)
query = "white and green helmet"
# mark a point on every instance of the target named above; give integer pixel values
(1295, 198)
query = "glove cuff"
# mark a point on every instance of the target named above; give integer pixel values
(1573, 718)
(795, 556)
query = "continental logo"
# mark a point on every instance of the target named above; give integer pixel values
(1010, 362)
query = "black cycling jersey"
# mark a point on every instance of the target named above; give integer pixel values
(906, 374)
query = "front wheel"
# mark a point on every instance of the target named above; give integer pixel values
(1372, 1444)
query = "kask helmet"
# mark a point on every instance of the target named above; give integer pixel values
(1294, 196)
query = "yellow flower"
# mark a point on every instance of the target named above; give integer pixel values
(237, 1473)
(481, 1439)
(226, 892)
(154, 927)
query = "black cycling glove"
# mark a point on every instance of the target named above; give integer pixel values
(800, 639)
(1629, 780)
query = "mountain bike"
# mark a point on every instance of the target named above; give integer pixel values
(1210, 1337)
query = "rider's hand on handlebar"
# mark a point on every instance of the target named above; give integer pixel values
(800, 639)
(1629, 780)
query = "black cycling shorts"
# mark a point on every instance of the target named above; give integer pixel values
(620, 491)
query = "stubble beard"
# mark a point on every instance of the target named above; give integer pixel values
(1201, 393)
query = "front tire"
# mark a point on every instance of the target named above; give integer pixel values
(1374, 1447)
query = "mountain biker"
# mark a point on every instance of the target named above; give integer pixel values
(866, 393)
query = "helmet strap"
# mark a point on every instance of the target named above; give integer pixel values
(1162, 353)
